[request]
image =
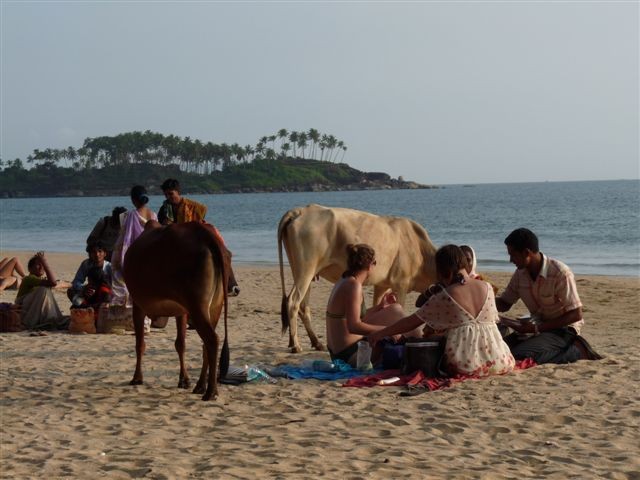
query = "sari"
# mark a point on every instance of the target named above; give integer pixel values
(132, 226)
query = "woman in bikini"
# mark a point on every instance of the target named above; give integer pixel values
(11, 273)
(464, 309)
(347, 319)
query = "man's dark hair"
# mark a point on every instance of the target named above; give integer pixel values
(170, 184)
(521, 239)
(97, 245)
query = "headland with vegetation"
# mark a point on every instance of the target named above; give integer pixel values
(109, 165)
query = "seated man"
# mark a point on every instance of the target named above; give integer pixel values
(548, 289)
(97, 272)
(39, 309)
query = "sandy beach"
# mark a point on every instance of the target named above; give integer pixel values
(67, 410)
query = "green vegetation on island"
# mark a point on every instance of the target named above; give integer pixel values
(286, 161)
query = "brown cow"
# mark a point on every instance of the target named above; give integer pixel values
(172, 271)
(315, 239)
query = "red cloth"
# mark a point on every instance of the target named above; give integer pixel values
(418, 378)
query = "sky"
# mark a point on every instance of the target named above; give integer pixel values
(435, 92)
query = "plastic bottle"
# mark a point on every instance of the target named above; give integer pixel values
(363, 358)
(320, 366)
(255, 373)
(77, 300)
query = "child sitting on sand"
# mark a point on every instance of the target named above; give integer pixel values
(97, 272)
(39, 309)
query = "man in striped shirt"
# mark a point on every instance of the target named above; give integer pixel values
(548, 289)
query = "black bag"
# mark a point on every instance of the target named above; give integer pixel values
(423, 354)
(392, 354)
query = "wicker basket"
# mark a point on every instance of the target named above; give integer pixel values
(114, 317)
(83, 320)
(10, 320)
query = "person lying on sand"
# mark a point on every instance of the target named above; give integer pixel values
(463, 309)
(548, 289)
(9, 267)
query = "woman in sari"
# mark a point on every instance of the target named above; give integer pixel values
(132, 225)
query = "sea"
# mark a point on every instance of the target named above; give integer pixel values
(592, 226)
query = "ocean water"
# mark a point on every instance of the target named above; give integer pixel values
(594, 227)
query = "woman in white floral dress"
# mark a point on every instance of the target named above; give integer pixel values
(464, 310)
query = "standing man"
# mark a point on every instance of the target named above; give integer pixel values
(177, 209)
(548, 289)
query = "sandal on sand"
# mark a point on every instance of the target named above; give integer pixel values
(38, 333)
(586, 351)
(413, 390)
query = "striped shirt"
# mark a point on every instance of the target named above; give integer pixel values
(552, 294)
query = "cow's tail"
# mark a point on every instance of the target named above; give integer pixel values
(218, 249)
(286, 219)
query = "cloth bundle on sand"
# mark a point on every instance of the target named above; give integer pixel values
(418, 380)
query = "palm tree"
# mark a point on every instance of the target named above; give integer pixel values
(302, 142)
(293, 138)
(250, 152)
(314, 135)
(331, 143)
(225, 150)
(344, 150)
(323, 144)
(237, 152)
(282, 135)
(259, 148)
(270, 154)
(285, 148)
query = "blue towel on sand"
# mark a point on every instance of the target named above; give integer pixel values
(299, 372)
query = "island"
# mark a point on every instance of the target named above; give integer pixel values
(109, 166)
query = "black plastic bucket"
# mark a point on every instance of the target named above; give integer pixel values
(422, 355)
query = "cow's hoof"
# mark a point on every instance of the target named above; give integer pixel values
(295, 349)
(184, 383)
(136, 381)
(209, 396)
(234, 291)
(198, 389)
(319, 347)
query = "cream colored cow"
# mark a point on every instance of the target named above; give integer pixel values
(315, 239)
